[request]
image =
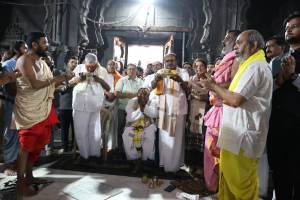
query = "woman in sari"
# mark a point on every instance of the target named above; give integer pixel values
(198, 99)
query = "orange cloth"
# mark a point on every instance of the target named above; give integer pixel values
(116, 76)
(164, 73)
(35, 138)
(159, 88)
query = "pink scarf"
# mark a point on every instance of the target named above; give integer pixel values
(223, 70)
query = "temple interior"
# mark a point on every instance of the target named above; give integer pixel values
(119, 134)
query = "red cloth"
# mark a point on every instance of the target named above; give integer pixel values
(34, 139)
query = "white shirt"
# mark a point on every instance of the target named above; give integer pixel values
(94, 91)
(99, 71)
(148, 80)
(133, 110)
(246, 127)
(183, 106)
(110, 82)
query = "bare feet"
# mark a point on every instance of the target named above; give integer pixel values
(10, 172)
(32, 180)
(10, 169)
(23, 189)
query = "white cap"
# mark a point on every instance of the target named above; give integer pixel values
(90, 58)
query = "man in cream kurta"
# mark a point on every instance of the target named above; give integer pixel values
(245, 122)
(172, 114)
(88, 96)
(139, 133)
(109, 111)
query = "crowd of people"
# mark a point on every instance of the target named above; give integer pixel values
(241, 114)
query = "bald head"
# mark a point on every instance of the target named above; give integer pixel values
(248, 43)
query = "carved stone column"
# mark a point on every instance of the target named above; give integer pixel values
(243, 6)
(83, 14)
(52, 21)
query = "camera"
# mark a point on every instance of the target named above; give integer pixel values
(89, 77)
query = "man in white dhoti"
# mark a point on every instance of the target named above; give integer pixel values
(170, 84)
(109, 111)
(139, 133)
(88, 97)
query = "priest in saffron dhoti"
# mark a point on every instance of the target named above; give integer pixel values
(170, 85)
(88, 96)
(139, 133)
(245, 122)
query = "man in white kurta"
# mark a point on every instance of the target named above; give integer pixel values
(245, 122)
(172, 115)
(88, 97)
(109, 111)
(139, 143)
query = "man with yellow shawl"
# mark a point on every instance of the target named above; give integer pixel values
(245, 120)
(139, 133)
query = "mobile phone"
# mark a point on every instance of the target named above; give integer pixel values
(170, 188)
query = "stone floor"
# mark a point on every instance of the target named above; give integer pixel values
(73, 185)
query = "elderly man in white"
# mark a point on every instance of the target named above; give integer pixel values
(139, 133)
(245, 123)
(88, 97)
